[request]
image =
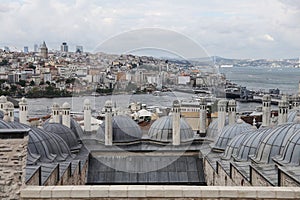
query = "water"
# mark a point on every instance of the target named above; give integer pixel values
(255, 78)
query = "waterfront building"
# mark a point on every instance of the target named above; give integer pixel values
(26, 49)
(79, 49)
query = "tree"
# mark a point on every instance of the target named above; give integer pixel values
(22, 83)
(32, 83)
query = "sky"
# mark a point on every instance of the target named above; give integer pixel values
(227, 28)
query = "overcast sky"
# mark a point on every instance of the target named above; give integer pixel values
(229, 28)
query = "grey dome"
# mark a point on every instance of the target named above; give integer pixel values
(229, 132)
(250, 144)
(212, 130)
(124, 129)
(291, 153)
(3, 124)
(235, 143)
(292, 115)
(48, 146)
(274, 143)
(161, 130)
(75, 127)
(64, 132)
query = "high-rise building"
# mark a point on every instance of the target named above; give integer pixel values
(79, 49)
(64, 47)
(26, 49)
(44, 50)
(6, 49)
(36, 48)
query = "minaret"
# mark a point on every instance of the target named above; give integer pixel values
(221, 114)
(55, 113)
(266, 109)
(9, 108)
(202, 120)
(176, 123)
(283, 110)
(3, 100)
(87, 115)
(108, 123)
(232, 111)
(23, 111)
(66, 119)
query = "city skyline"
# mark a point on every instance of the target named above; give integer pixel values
(233, 29)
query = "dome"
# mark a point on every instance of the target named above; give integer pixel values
(235, 143)
(274, 143)
(55, 105)
(3, 99)
(9, 105)
(212, 130)
(229, 132)
(86, 102)
(66, 105)
(161, 130)
(291, 152)
(65, 133)
(48, 146)
(250, 144)
(23, 101)
(3, 124)
(292, 115)
(124, 129)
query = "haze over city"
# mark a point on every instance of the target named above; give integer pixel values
(233, 29)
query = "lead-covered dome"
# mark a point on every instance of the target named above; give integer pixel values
(124, 129)
(212, 130)
(274, 143)
(292, 115)
(161, 130)
(250, 144)
(291, 152)
(229, 132)
(65, 133)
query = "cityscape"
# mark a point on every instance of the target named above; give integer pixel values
(146, 100)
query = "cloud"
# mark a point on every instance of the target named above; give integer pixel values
(224, 28)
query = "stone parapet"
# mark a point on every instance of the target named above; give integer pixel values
(157, 192)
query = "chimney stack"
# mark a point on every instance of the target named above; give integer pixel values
(108, 123)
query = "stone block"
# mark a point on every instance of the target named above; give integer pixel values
(246, 192)
(61, 192)
(81, 191)
(117, 191)
(136, 191)
(172, 191)
(265, 192)
(191, 191)
(154, 191)
(99, 191)
(228, 192)
(31, 191)
(284, 193)
(210, 192)
(46, 191)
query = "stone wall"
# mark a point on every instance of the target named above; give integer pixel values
(237, 178)
(257, 179)
(286, 180)
(13, 156)
(158, 192)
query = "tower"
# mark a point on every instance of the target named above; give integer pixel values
(295, 101)
(232, 111)
(108, 123)
(176, 123)
(44, 50)
(222, 104)
(23, 111)
(3, 100)
(9, 108)
(202, 119)
(55, 113)
(87, 115)
(64, 47)
(66, 119)
(283, 110)
(266, 109)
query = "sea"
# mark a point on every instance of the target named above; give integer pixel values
(255, 78)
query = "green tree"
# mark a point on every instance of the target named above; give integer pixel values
(32, 83)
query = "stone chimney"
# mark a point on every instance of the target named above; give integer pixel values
(176, 123)
(232, 111)
(23, 111)
(222, 104)
(13, 156)
(9, 108)
(283, 106)
(3, 100)
(108, 123)
(66, 119)
(202, 118)
(295, 101)
(266, 109)
(87, 116)
(55, 113)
